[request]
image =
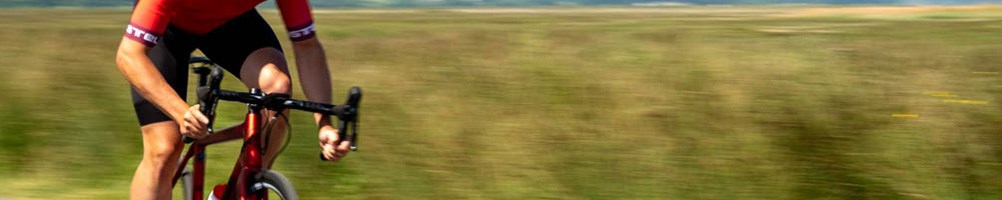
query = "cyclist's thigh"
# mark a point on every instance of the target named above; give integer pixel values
(170, 56)
(231, 44)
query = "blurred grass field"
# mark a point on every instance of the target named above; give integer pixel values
(575, 103)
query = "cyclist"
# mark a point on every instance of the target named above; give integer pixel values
(153, 57)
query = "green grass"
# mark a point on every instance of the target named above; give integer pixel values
(583, 103)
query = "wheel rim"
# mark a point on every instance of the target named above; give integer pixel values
(273, 191)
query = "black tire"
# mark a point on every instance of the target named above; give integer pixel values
(276, 184)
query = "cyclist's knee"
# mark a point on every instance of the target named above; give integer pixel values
(276, 83)
(161, 145)
(162, 154)
(273, 79)
(266, 68)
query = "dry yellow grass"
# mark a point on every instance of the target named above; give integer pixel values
(583, 103)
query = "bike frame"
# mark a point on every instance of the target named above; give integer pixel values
(247, 165)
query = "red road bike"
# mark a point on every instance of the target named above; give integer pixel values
(249, 179)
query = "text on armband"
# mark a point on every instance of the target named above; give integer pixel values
(306, 31)
(141, 34)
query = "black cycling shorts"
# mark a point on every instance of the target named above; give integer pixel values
(227, 45)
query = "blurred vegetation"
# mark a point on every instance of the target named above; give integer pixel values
(673, 103)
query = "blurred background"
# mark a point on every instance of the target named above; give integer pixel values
(575, 99)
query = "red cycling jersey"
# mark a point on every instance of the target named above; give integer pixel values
(150, 17)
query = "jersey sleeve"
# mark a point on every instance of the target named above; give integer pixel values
(148, 22)
(297, 17)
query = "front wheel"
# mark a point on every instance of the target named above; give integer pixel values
(276, 185)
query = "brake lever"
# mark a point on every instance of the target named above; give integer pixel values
(349, 120)
(208, 84)
(354, 135)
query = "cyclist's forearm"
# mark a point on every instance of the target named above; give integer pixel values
(313, 73)
(137, 68)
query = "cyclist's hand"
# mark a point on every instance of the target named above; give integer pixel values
(333, 150)
(195, 123)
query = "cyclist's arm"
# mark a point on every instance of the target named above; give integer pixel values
(310, 59)
(314, 74)
(137, 68)
(315, 78)
(148, 21)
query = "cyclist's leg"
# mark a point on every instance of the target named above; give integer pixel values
(161, 148)
(247, 47)
(161, 137)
